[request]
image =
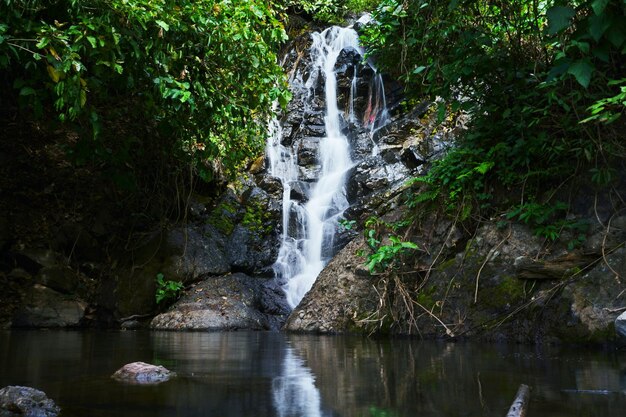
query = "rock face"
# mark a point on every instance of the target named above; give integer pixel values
(227, 302)
(27, 402)
(387, 146)
(491, 286)
(141, 373)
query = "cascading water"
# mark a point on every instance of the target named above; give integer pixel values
(309, 228)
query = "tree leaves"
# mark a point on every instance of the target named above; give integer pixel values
(599, 6)
(215, 62)
(559, 18)
(582, 71)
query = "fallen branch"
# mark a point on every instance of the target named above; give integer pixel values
(134, 317)
(520, 404)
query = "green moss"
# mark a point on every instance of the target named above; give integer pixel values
(446, 265)
(223, 218)
(509, 291)
(426, 297)
(257, 218)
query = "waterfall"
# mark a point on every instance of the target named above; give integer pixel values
(309, 227)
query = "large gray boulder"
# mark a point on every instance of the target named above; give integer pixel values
(336, 299)
(141, 373)
(493, 287)
(228, 302)
(26, 402)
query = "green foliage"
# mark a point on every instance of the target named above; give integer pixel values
(202, 74)
(333, 11)
(347, 224)
(548, 220)
(257, 217)
(167, 290)
(541, 84)
(383, 256)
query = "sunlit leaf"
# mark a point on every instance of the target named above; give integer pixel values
(53, 73)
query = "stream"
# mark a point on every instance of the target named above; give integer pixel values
(273, 374)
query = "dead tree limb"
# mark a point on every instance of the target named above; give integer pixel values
(520, 404)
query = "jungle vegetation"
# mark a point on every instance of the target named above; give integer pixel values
(542, 84)
(189, 85)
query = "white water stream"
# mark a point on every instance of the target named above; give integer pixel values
(309, 229)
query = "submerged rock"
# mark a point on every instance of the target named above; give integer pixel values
(26, 402)
(143, 373)
(228, 302)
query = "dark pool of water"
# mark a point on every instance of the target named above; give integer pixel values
(270, 374)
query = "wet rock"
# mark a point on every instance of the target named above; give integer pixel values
(300, 191)
(194, 252)
(314, 130)
(348, 59)
(594, 299)
(308, 150)
(252, 246)
(141, 373)
(249, 251)
(229, 302)
(26, 402)
(620, 327)
(272, 185)
(45, 307)
(309, 173)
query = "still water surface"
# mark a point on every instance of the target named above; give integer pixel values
(272, 374)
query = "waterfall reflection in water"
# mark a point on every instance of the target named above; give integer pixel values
(294, 390)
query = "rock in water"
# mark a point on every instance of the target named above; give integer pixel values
(620, 327)
(143, 373)
(26, 402)
(229, 302)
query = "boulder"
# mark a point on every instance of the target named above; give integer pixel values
(228, 302)
(194, 252)
(45, 307)
(336, 296)
(501, 285)
(26, 402)
(141, 373)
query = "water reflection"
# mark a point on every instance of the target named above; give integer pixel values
(294, 390)
(273, 375)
